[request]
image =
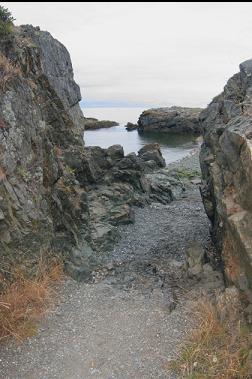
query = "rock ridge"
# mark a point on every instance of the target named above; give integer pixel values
(226, 167)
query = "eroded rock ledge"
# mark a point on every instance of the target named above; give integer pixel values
(227, 175)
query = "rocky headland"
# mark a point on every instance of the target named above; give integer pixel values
(94, 124)
(174, 119)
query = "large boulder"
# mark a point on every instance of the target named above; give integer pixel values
(170, 120)
(150, 154)
(226, 164)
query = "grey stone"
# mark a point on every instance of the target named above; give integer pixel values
(78, 272)
(115, 152)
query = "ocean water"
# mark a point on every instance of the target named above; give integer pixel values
(173, 147)
(121, 115)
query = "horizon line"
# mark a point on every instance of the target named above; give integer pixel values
(115, 104)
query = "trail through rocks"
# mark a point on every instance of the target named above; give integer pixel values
(129, 322)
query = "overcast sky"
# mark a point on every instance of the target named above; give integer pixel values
(142, 54)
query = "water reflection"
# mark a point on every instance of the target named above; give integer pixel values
(174, 147)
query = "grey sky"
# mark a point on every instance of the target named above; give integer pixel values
(147, 53)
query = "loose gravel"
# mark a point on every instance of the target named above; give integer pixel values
(129, 323)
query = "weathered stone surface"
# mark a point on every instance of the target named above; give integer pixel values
(170, 120)
(227, 175)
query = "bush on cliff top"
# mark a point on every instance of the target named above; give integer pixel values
(6, 21)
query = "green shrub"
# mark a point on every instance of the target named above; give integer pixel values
(187, 174)
(6, 21)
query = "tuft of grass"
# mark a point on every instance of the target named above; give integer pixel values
(215, 349)
(69, 171)
(7, 72)
(2, 175)
(21, 171)
(25, 300)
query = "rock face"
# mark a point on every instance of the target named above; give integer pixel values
(170, 120)
(55, 194)
(42, 204)
(93, 124)
(227, 175)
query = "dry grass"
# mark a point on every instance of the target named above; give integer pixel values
(2, 175)
(25, 300)
(7, 72)
(215, 349)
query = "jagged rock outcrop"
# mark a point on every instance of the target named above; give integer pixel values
(227, 175)
(42, 204)
(55, 194)
(152, 156)
(170, 120)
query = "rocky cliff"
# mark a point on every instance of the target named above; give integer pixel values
(170, 120)
(42, 205)
(227, 175)
(55, 194)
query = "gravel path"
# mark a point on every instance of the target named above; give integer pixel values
(130, 321)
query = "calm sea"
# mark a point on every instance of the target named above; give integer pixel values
(174, 147)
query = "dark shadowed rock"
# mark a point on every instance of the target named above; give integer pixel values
(115, 152)
(151, 153)
(130, 126)
(171, 120)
